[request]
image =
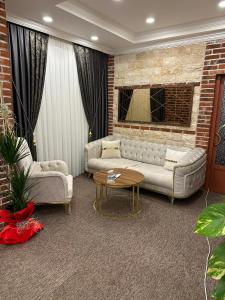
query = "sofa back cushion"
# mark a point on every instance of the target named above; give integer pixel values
(146, 152)
(142, 151)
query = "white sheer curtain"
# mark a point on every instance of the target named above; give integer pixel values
(62, 128)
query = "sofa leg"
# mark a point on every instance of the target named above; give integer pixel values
(89, 175)
(171, 198)
(68, 208)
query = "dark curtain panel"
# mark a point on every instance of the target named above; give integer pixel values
(157, 104)
(92, 67)
(28, 51)
(124, 103)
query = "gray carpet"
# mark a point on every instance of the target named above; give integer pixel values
(84, 256)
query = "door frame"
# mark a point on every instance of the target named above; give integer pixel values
(214, 123)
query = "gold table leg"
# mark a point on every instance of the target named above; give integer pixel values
(136, 207)
(101, 195)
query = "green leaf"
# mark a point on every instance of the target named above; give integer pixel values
(211, 221)
(219, 292)
(19, 189)
(216, 265)
(12, 149)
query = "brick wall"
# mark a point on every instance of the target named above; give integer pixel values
(155, 68)
(214, 64)
(178, 104)
(110, 93)
(5, 88)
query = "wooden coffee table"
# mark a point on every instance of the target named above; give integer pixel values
(128, 178)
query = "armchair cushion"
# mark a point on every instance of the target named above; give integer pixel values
(54, 165)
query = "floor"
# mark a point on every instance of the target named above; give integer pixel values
(85, 256)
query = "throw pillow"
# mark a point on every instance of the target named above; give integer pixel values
(173, 157)
(111, 149)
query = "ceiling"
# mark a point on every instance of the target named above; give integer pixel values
(120, 24)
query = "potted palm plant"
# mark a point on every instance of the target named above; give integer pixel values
(20, 206)
(12, 150)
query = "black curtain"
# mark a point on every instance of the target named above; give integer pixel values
(92, 67)
(157, 104)
(124, 103)
(28, 51)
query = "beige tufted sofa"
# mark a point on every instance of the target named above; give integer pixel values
(50, 180)
(148, 158)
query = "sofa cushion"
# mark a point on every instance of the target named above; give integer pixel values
(155, 175)
(111, 149)
(107, 164)
(142, 151)
(173, 157)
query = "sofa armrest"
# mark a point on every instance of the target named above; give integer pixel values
(48, 187)
(55, 165)
(94, 150)
(189, 175)
(190, 161)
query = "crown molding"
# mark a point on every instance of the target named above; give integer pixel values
(155, 44)
(172, 32)
(56, 33)
(172, 43)
(188, 29)
(87, 14)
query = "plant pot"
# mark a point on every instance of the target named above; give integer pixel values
(19, 233)
(20, 227)
(13, 218)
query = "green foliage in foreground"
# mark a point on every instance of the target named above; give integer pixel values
(13, 150)
(211, 223)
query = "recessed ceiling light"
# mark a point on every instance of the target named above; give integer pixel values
(47, 19)
(150, 20)
(221, 4)
(94, 38)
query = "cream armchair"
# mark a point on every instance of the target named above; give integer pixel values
(50, 180)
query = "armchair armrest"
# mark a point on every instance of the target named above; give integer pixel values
(48, 187)
(189, 175)
(55, 165)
